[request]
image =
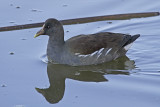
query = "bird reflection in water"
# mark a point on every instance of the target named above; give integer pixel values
(58, 73)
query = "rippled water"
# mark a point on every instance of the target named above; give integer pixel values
(130, 81)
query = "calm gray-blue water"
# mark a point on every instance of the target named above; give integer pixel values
(130, 81)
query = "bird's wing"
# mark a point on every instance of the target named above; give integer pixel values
(88, 44)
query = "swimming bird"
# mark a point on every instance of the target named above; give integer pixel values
(84, 49)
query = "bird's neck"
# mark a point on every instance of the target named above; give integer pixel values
(57, 38)
(55, 46)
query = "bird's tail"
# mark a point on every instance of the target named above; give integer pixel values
(133, 38)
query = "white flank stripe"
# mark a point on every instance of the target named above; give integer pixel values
(100, 50)
(82, 55)
(128, 46)
(99, 55)
(93, 53)
(108, 51)
(77, 53)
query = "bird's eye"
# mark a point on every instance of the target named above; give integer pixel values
(48, 27)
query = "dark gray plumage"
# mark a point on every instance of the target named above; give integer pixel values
(84, 49)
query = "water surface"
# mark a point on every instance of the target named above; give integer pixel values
(131, 81)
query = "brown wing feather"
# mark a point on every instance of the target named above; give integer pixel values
(87, 44)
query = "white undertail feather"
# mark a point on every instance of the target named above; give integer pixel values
(128, 46)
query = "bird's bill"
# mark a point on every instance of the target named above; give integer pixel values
(41, 32)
